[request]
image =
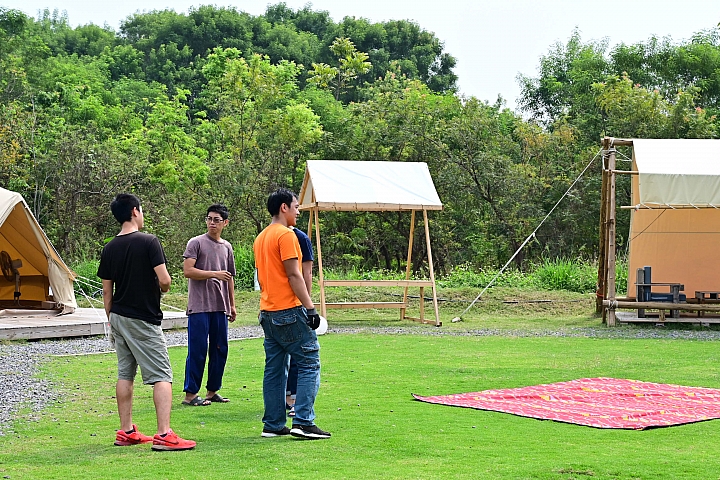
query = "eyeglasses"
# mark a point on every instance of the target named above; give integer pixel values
(214, 220)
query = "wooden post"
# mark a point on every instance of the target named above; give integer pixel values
(310, 223)
(602, 271)
(409, 263)
(432, 269)
(321, 281)
(611, 238)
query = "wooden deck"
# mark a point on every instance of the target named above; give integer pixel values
(654, 317)
(18, 324)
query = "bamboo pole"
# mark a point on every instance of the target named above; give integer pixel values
(409, 262)
(619, 142)
(668, 207)
(432, 270)
(611, 239)
(690, 307)
(602, 271)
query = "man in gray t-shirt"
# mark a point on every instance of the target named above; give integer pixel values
(210, 267)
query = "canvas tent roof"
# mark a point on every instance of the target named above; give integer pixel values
(678, 172)
(23, 238)
(368, 186)
(680, 244)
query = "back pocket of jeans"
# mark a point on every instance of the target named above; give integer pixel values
(286, 327)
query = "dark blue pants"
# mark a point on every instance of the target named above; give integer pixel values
(202, 327)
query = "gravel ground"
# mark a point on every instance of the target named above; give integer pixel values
(19, 362)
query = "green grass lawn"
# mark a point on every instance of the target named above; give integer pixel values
(379, 431)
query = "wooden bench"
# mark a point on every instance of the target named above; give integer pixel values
(704, 297)
(644, 293)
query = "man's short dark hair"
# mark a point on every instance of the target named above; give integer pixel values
(277, 198)
(220, 209)
(123, 205)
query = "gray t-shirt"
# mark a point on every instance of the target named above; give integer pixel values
(209, 295)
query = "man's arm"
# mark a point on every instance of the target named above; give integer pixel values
(107, 296)
(307, 275)
(163, 277)
(231, 291)
(191, 272)
(297, 282)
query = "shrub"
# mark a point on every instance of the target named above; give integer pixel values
(562, 274)
(244, 267)
(87, 282)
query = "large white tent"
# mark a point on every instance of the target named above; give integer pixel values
(674, 225)
(343, 185)
(41, 269)
(675, 222)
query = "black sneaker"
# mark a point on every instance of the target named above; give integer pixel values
(309, 432)
(278, 433)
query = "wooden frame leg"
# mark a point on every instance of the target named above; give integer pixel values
(408, 266)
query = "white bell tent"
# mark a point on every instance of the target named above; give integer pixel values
(30, 265)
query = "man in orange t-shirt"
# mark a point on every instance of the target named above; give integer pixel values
(289, 319)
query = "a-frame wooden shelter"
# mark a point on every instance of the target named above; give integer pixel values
(366, 186)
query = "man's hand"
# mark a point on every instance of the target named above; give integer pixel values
(223, 275)
(233, 314)
(313, 319)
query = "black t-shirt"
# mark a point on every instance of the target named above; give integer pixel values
(129, 261)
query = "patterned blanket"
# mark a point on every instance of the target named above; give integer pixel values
(597, 402)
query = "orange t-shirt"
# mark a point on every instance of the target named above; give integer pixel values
(272, 247)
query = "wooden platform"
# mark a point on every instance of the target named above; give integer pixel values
(654, 317)
(16, 324)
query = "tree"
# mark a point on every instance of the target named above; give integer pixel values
(351, 64)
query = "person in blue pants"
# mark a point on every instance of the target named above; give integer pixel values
(210, 267)
(307, 264)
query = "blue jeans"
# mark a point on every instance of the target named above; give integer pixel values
(201, 327)
(287, 333)
(292, 373)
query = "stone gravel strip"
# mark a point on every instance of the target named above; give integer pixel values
(20, 362)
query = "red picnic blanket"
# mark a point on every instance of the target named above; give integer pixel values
(597, 402)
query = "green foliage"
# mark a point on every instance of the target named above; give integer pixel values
(244, 267)
(351, 64)
(562, 274)
(217, 105)
(87, 282)
(466, 276)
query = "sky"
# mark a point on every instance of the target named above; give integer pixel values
(492, 40)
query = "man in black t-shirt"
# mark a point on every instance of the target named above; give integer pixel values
(133, 272)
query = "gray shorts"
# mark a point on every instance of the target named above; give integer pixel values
(138, 342)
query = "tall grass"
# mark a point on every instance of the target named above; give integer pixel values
(87, 282)
(552, 274)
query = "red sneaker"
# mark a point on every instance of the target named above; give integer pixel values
(123, 439)
(171, 442)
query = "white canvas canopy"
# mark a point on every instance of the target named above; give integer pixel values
(678, 172)
(368, 186)
(42, 268)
